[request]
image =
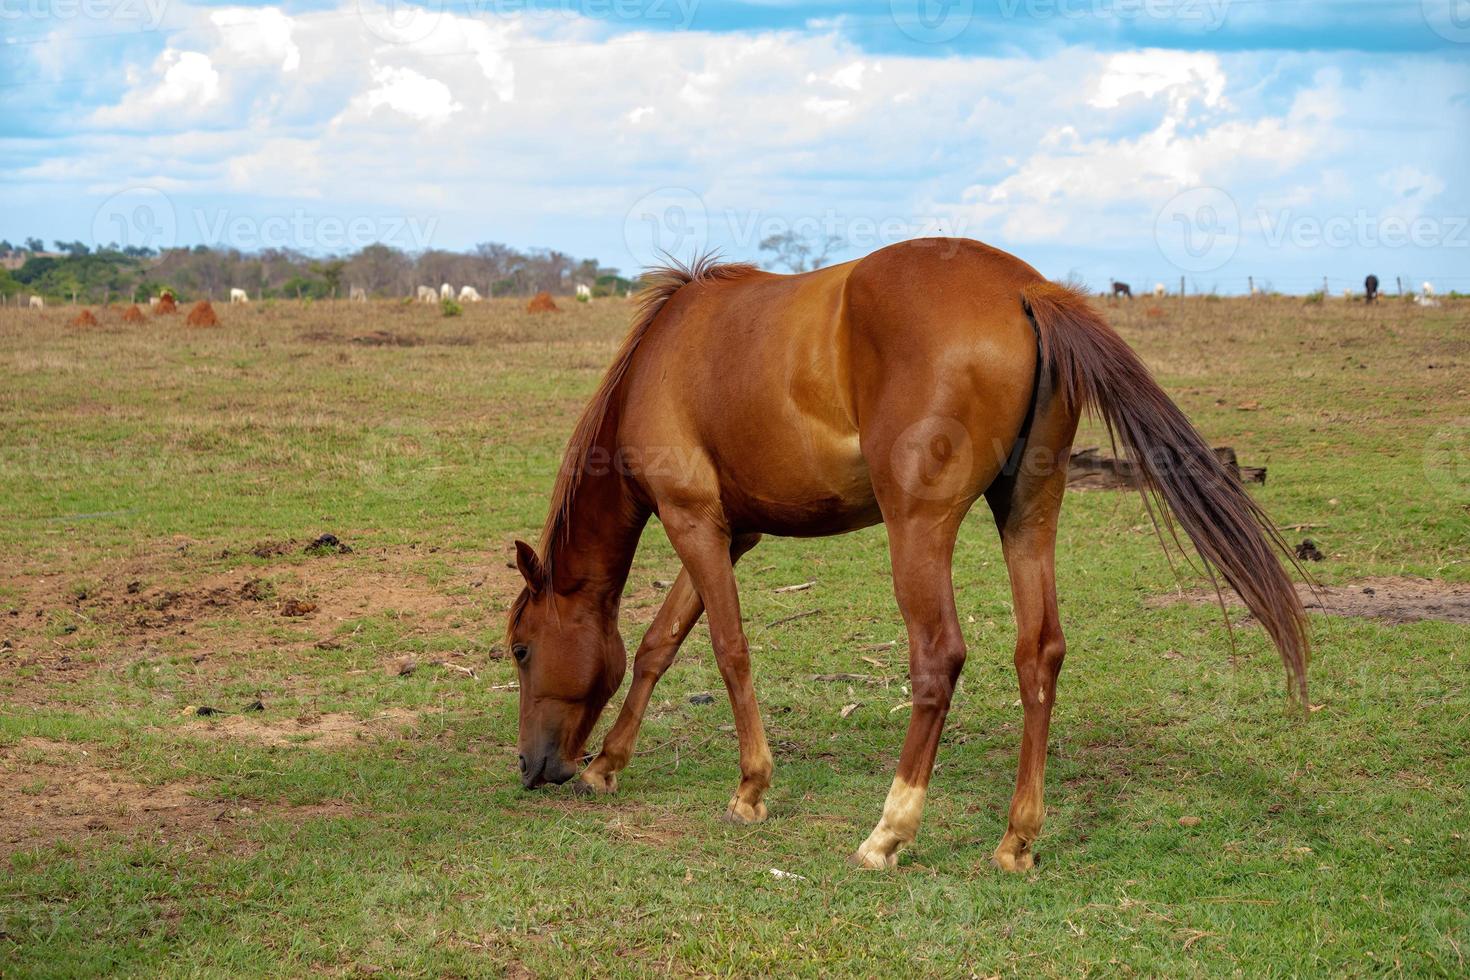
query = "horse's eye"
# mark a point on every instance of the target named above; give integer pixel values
(520, 651)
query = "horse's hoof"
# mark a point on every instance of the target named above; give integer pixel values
(741, 812)
(1013, 861)
(873, 859)
(591, 783)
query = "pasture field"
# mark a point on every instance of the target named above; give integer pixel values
(159, 489)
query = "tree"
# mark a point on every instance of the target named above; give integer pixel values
(379, 269)
(330, 272)
(35, 245)
(796, 253)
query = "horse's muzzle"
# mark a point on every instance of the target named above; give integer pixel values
(549, 767)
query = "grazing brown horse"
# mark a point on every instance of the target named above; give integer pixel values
(898, 388)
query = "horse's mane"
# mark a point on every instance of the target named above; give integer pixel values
(660, 284)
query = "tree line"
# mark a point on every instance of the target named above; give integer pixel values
(112, 274)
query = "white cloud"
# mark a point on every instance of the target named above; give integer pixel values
(263, 35)
(407, 92)
(552, 127)
(1183, 77)
(181, 85)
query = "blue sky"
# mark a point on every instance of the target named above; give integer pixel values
(1217, 140)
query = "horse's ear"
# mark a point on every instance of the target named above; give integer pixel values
(531, 568)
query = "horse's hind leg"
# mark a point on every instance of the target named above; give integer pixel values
(921, 545)
(676, 617)
(1026, 507)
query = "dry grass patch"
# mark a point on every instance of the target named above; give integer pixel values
(58, 791)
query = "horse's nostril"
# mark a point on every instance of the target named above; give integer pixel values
(523, 764)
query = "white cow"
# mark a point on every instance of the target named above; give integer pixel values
(1160, 290)
(37, 303)
(446, 291)
(238, 296)
(584, 291)
(1256, 290)
(153, 301)
(357, 295)
(1427, 288)
(427, 294)
(469, 294)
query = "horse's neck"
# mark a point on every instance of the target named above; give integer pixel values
(592, 554)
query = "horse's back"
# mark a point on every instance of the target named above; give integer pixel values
(762, 391)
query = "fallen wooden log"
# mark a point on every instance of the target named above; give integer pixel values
(1088, 469)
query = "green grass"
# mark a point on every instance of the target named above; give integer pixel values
(162, 456)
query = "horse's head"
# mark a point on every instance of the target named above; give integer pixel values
(571, 660)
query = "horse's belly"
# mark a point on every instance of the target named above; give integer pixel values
(801, 490)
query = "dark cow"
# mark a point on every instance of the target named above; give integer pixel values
(1121, 289)
(1370, 288)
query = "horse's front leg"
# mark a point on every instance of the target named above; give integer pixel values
(706, 548)
(670, 627)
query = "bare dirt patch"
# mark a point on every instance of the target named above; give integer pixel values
(56, 791)
(1390, 599)
(56, 626)
(386, 338)
(330, 731)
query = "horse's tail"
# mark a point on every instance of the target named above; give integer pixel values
(1094, 369)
